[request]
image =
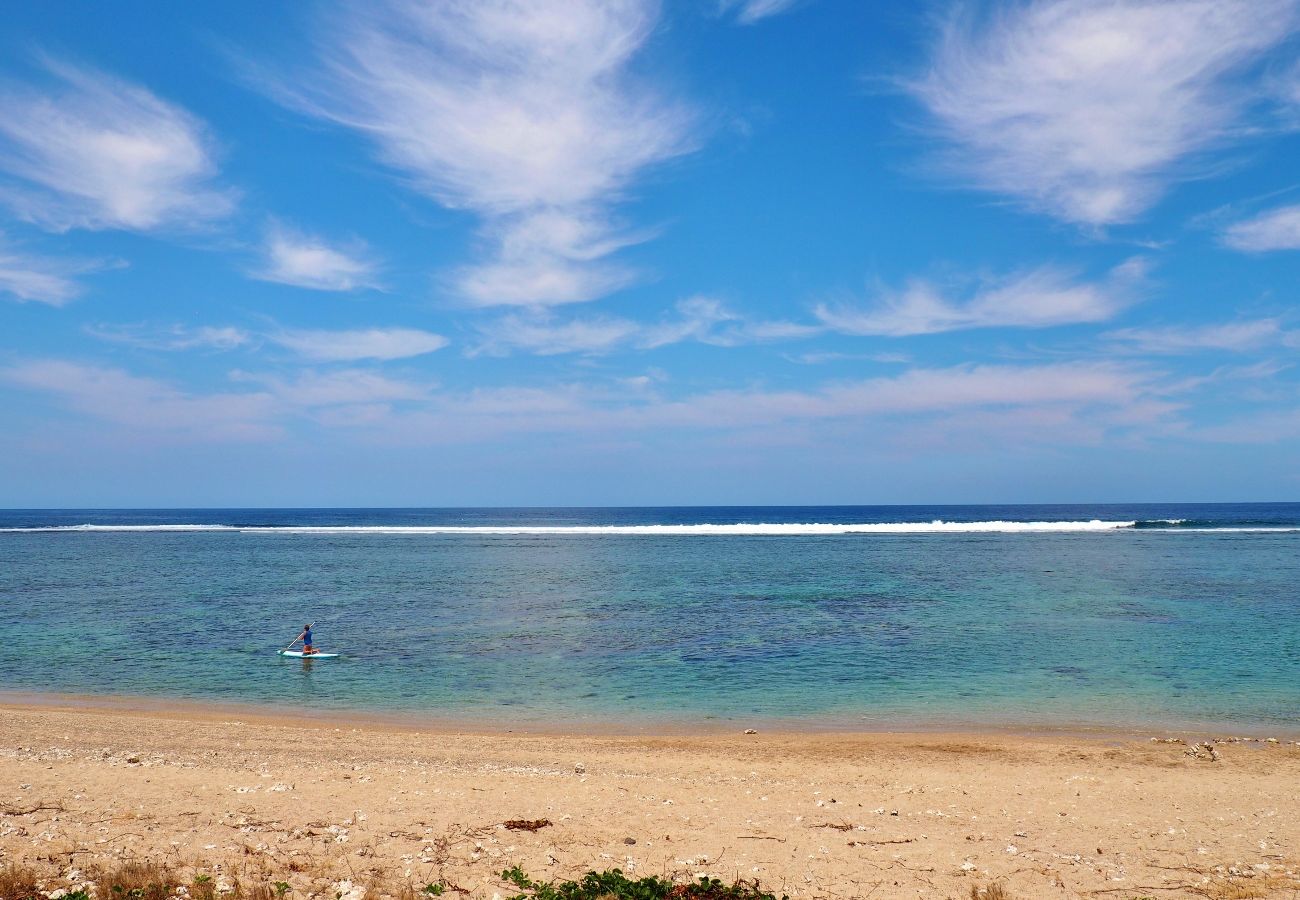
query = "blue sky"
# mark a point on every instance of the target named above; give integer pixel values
(567, 252)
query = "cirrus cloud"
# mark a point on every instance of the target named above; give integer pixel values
(1240, 336)
(356, 344)
(147, 404)
(1094, 398)
(747, 12)
(303, 260)
(88, 150)
(524, 112)
(1039, 298)
(1277, 229)
(173, 337)
(313, 344)
(1087, 111)
(40, 279)
(703, 319)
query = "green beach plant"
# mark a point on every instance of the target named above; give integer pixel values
(614, 885)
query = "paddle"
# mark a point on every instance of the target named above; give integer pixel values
(298, 638)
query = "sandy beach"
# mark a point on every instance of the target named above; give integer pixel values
(316, 804)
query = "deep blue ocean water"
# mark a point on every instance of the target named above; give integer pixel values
(1185, 615)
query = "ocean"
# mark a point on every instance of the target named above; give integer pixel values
(858, 618)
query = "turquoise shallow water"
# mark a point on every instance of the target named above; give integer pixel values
(1186, 623)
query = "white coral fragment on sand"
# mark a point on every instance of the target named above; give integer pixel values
(346, 890)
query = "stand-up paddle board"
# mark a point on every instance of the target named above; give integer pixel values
(301, 655)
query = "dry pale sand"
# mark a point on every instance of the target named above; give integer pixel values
(820, 815)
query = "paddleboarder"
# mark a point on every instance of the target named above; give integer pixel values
(308, 650)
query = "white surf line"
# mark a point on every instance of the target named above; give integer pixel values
(749, 529)
(111, 528)
(740, 528)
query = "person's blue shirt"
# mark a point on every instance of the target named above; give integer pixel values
(306, 636)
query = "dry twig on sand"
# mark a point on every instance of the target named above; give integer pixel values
(838, 826)
(8, 810)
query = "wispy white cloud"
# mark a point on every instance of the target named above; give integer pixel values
(1277, 229)
(304, 260)
(524, 112)
(917, 391)
(1081, 401)
(747, 12)
(358, 344)
(1039, 298)
(314, 345)
(547, 258)
(1254, 384)
(38, 279)
(1270, 426)
(147, 404)
(1087, 400)
(1239, 337)
(545, 336)
(1092, 399)
(24, 278)
(1087, 110)
(174, 337)
(309, 391)
(699, 318)
(816, 358)
(262, 412)
(763, 331)
(1287, 88)
(93, 151)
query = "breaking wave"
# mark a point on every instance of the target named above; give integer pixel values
(797, 528)
(937, 526)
